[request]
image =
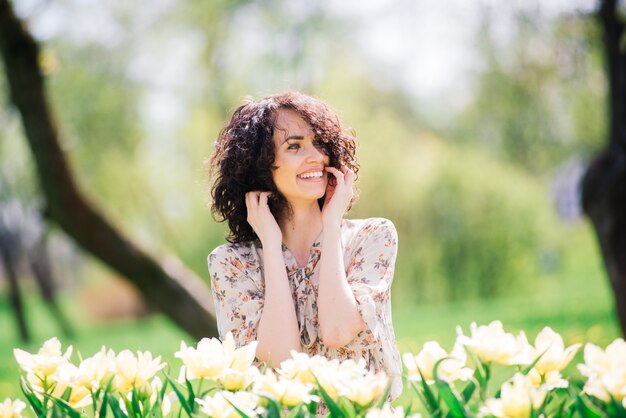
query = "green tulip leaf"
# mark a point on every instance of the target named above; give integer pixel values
(450, 398)
(137, 411)
(65, 407)
(586, 409)
(180, 396)
(432, 403)
(240, 412)
(34, 402)
(115, 406)
(468, 391)
(273, 409)
(335, 411)
(534, 363)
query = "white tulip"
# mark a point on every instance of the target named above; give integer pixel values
(96, 371)
(220, 405)
(67, 376)
(302, 367)
(387, 411)
(451, 369)
(605, 371)
(491, 344)
(241, 358)
(209, 360)
(11, 409)
(46, 361)
(518, 397)
(287, 392)
(233, 379)
(554, 356)
(135, 371)
(363, 390)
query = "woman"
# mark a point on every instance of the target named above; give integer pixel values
(295, 275)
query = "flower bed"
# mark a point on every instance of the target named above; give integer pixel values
(217, 379)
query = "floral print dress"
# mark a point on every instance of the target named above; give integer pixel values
(370, 248)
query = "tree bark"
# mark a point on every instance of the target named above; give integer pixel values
(166, 286)
(604, 183)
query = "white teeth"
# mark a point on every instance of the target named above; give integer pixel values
(310, 175)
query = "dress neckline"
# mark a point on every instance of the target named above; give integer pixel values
(312, 251)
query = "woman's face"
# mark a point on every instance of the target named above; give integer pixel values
(300, 159)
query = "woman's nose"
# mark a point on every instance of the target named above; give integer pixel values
(315, 154)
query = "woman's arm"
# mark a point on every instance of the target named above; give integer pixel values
(339, 318)
(278, 331)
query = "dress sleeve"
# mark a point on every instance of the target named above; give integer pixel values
(238, 297)
(370, 273)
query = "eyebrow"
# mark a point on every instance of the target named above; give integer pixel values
(296, 137)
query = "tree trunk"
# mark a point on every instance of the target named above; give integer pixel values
(167, 286)
(604, 184)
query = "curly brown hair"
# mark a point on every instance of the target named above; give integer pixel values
(244, 156)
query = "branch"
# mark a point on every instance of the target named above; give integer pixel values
(167, 286)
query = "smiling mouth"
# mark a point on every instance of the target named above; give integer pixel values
(311, 175)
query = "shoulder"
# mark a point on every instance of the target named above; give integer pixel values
(235, 254)
(369, 226)
(370, 230)
(232, 249)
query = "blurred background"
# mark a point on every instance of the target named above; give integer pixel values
(475, 120)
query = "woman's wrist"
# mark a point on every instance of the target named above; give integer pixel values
(331, 231)
(329, 223)
(271, 243)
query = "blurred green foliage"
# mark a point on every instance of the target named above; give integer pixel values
(468, 193)
(541, 94)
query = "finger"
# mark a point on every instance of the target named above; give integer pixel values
(338, 174)
(252, 201)
(350, 177)
(263, 196)
(248, 200)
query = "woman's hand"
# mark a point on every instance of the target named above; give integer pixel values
(261, 219)
(339, 193)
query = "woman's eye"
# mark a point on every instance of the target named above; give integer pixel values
(294, 146)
